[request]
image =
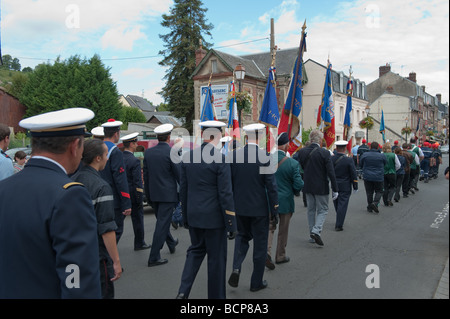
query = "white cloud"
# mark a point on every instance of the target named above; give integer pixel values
(121, 38)
(412, 35)
(138, 73)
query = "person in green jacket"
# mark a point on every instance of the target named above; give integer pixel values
(289, 181)
(390, 177)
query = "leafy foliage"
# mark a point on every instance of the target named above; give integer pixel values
(72, 83)
(186, 23)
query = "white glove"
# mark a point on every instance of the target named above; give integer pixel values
(335, 195)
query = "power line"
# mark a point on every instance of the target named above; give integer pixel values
(148, 56)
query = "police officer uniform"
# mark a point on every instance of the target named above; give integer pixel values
(346, 179)
(136, 188)
(161, 178)
(114, 174)
(256, 200)
(48, 243)
(207, 201)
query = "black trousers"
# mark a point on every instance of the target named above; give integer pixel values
(211, 242)
(389, 187)
(341, 205)
(398, 186)
(163, 212)
(371, 189)
(106, 273)
(256, 228)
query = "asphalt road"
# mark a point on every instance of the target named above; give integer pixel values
(399, 253)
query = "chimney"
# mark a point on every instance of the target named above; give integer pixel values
(390, 89)
(385, 69)
(412, 77)
(423, 88)
(439, 97)
(200, 53)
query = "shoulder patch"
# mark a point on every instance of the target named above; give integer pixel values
(68, 185)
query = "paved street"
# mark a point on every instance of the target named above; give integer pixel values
(407, 245)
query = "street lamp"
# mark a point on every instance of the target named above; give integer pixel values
(240, 75)
(406, 122)
(367, 129)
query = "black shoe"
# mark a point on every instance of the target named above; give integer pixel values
(412, 191)
(416, 189)
(396, 200)
(158, 262)
(317, 239)
(181, 296)
(370, 209)
(269, 263)
(263, 285)
(340, 228)
(143, 247)
(172, 249)
(405, 195)
(283, 261)
(374, 207)
(390, 203)
(174, 225)
(234, 278)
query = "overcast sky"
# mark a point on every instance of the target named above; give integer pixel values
(413, 36)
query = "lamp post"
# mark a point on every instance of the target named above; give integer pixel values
(240, 75)
(367, 129)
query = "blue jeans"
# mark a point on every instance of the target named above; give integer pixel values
(317, 212)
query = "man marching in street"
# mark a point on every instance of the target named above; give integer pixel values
(288, 181)
(208, 211)
(161, 179)
(347, 181)
(256, 203)
(114, 174)
(319, 172)
(135, 185)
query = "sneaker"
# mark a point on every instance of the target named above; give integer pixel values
(317, 239)
(375, 208)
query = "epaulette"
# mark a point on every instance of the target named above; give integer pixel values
(68, 185)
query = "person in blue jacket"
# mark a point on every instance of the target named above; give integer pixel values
(208, 211)
(48, 242)
(256, 203)
(161, 179)
(134, 177)
(114, 174)
(347, 181)
(372, 164)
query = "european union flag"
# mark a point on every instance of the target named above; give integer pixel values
(270, 114)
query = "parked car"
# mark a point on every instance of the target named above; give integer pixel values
(444, 149)
(11, 152)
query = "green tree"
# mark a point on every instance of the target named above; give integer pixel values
(72, 83)
(18, 82)
(186, 23)
(131, 115)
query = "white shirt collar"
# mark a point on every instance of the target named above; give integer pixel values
(51, 160)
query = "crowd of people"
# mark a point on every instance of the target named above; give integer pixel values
(62, 242)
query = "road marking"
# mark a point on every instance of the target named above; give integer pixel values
(440, 217)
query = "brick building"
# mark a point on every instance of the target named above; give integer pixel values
(11, 111)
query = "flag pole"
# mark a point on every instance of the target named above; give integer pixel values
(300, 55)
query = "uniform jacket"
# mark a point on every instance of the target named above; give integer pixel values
(42, 237)
(161, 174)
(389, 167)
(114, 174)
(318, 169)
(288, 180)
(206, 190)
(255, 194)
(372, 164)
(103, 201)
(345, 171)
(134, 178)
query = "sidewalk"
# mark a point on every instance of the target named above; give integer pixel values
(442, 289)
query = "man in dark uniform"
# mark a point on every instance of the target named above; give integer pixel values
(346, 179)
(114, 174)
(207, 200)
(161, 179)
(256, 202)
(48, 242)
(135, 185)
